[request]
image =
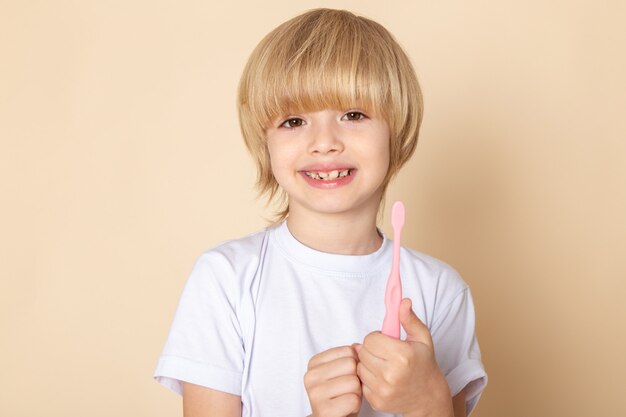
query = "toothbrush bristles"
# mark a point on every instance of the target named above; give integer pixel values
(397, 215)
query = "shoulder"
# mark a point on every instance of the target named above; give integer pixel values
(232, 259)
(432, 269)
(237, 250)
(441, 291)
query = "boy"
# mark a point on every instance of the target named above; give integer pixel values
(285, 322)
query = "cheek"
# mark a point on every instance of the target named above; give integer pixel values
(385, 149)
(383, 152)
(281, 162)
(383, 161)
(273, 152)
(283, 152)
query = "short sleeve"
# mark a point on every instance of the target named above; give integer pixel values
(204, 345)
(457, 350)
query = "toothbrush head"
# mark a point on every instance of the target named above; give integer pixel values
(397, 215)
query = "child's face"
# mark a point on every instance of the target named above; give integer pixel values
(330, 161)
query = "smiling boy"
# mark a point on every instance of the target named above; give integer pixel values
(284, 322)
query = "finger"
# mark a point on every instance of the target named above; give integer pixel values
(369, 395)
(324, 372)
(332, 354)
(416, 331)
(323, 392)
(380, 345)
(370, 360)
(342, 405)
(347, 404)
(366, 375)
(342, 385)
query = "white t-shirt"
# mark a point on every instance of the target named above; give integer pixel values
(255, 310)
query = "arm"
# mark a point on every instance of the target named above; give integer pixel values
(199, 401)
(458, 402)
(458, 405)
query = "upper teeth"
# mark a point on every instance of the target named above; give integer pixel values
(327, 175)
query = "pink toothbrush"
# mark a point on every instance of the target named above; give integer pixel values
(393, 293)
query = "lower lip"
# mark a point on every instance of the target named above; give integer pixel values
(329, 184)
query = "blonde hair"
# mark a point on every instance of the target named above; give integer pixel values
(328, 59)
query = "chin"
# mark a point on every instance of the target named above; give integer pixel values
(335, 206)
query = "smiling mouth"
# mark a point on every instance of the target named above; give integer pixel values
(328, 176)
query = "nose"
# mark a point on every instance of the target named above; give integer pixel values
(325, 139)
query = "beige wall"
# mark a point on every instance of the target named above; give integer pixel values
(121, 161)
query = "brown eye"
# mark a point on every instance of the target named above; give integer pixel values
(293, 122)
(354, 115)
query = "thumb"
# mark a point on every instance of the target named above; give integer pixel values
(416, 331)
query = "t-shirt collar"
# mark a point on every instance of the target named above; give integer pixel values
(331, 262)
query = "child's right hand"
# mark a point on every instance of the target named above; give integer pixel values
(331, 382)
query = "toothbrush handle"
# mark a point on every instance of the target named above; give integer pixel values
(393, 293)
(393, 297)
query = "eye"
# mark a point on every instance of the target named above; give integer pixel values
(353, 116)
(293, 122)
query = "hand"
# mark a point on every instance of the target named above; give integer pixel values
(402, 376)
(331, 382)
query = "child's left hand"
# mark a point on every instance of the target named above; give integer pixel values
(402, 376)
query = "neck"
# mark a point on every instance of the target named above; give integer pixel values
(342, 233)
